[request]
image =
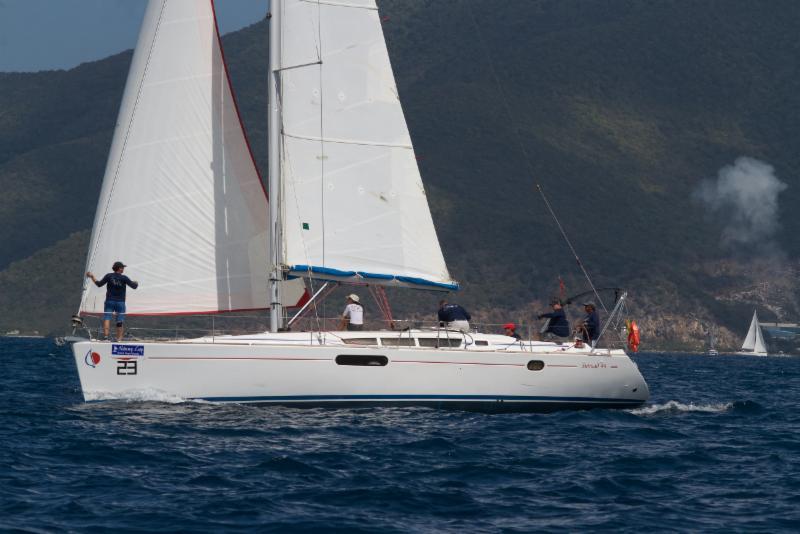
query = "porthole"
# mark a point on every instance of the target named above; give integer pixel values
(535, 365)
(362, 360)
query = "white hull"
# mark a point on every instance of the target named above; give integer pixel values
(289, 369)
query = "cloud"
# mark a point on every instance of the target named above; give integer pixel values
(745, 196)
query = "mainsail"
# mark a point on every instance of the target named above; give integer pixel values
(754, 342)
(182, 202)
(353, 203)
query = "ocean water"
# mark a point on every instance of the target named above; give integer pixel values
(716, 449)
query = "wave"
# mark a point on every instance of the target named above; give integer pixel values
(137, 395)
(679, 407)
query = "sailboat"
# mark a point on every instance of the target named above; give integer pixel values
(182, 202)
(754, 344)
(711, 341)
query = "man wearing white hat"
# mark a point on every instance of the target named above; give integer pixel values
(353, 317)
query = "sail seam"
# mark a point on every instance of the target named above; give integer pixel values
(339, 4)
(346, 141)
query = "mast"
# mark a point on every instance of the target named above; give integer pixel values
(273, 152)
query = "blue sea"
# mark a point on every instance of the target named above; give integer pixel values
(716, 449)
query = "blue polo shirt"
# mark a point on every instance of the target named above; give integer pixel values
(116, 286)
(453, 312)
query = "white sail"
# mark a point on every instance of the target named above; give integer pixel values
(754, 342)
(353, 202)
(181, 203)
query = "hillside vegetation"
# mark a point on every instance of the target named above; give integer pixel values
(616, 109)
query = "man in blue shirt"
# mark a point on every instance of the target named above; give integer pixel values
(116, 283)
(453, 316)
(590, 327)
(558, 325)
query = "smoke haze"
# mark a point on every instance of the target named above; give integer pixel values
(745, 196)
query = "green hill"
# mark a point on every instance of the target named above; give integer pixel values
(621, 107)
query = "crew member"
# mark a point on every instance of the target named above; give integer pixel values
(453, 316)
(558, 325)
(353, 316)
(116, 283)
(590, 324)
(510, 329)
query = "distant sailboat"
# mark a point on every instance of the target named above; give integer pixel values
(754, 342)
(711, 342)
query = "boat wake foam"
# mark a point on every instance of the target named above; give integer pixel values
(137, 395)
(679, 407)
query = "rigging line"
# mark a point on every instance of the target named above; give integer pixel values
(321, 128)
(91, 255)
(289, 168)
(571, 248)
(318, 47)
(504, 99)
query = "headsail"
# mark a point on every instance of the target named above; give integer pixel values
(182, 202)
(353, 201)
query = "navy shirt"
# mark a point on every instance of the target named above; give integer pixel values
(116, 286)
(592, 324)
(453, 312)
(559, 325)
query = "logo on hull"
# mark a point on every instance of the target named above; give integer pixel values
(92, 359)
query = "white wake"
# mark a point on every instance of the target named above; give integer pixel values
(137, 395)
(679, 407)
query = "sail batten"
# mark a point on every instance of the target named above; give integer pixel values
(347, 141)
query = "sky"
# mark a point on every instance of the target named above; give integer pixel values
(61, 34)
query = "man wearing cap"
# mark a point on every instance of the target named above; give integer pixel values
(558, 325)
(590, 325)
(453, 316)
(510, 330)
(353, 317)
(115, 296)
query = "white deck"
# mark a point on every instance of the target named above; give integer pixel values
(409, 339)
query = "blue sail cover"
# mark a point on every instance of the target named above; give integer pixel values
(328, 273)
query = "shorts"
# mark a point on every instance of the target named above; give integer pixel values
(354, 327)
(114, 306)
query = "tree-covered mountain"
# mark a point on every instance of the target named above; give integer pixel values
(618, 110)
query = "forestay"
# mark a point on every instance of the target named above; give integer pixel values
(353, 201)
(181, 203)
